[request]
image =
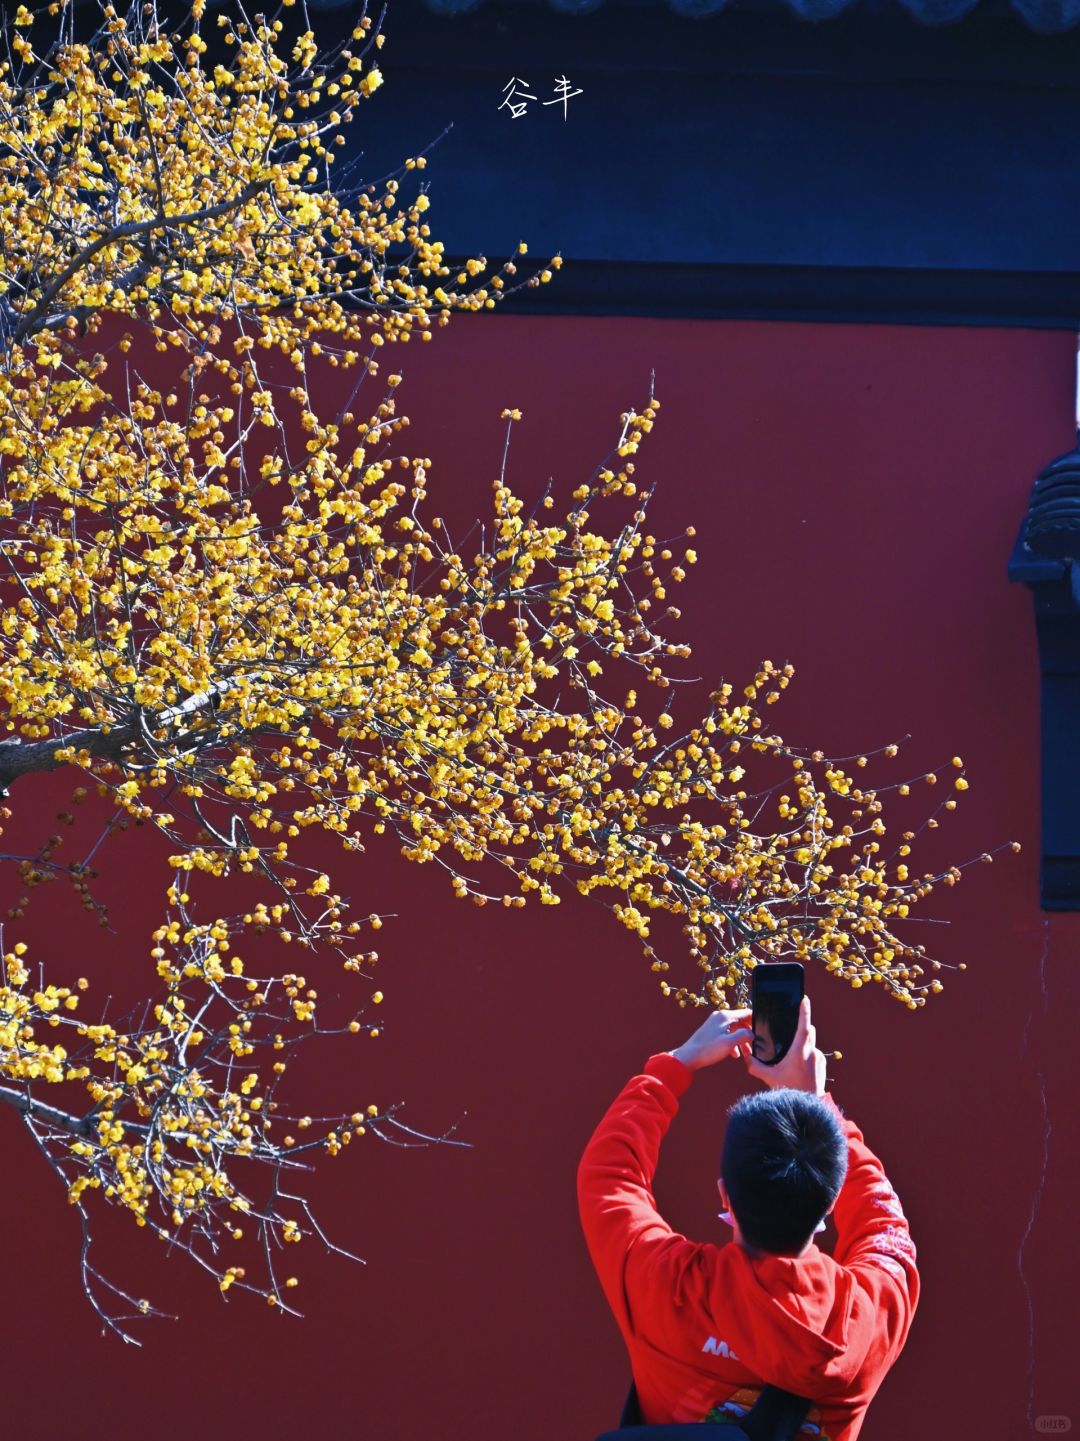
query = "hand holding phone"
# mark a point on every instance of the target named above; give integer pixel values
(721, 1034)
(802, 1067)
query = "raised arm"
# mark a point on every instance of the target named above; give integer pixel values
(874, 1240)
(615, 1177)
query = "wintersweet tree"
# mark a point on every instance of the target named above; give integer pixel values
(233, 618)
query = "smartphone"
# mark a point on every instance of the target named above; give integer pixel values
(776, 992)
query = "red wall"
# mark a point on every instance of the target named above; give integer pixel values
(856, 491)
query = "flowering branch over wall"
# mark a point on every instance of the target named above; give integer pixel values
(230, 608)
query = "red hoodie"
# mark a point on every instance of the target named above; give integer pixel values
(709, 1324)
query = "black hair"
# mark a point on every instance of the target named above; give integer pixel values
(784, 1161)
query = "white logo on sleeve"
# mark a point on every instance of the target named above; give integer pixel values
(713, 1347)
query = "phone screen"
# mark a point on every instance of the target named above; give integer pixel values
(776, 992)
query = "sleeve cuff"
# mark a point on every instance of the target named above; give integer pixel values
(669, 1069)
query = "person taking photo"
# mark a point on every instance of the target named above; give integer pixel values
(707, 1326)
